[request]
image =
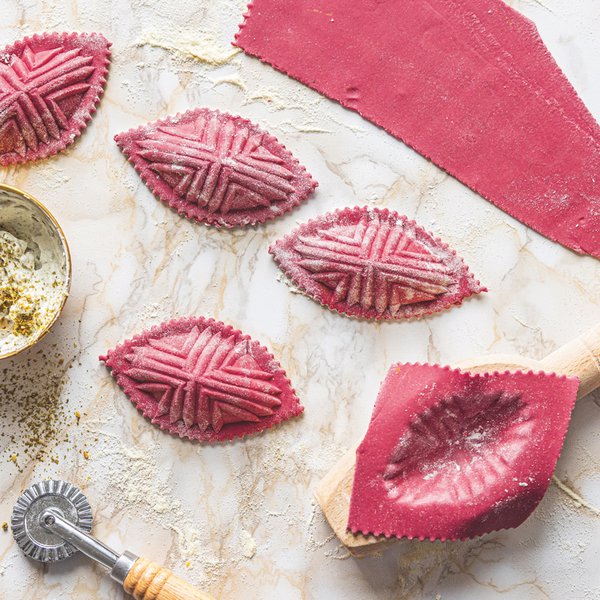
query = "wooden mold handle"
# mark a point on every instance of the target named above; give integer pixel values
(333, 495)
(580, 357)
(149, 581)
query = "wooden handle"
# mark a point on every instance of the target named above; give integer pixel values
(580, 357)
(149, 581)
(333, 495)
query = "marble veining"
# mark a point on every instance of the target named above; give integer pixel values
(240, 516)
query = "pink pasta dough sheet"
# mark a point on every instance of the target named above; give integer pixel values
(454, 455)
(467, 83)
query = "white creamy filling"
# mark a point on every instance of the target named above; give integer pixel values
(30, 294)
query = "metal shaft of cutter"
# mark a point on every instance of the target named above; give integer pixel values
(88, 544)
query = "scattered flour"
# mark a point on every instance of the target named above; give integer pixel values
(248, 544)
(203, 49)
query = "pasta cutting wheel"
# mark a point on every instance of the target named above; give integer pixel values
(35, 539)
(51, 521)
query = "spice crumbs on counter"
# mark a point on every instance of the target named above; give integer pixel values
(34, 410)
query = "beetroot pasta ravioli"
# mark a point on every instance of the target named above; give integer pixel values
(216, 168)
(374, 264)
(204, 380)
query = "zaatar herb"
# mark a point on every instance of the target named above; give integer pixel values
(34, 411)
(29, 297)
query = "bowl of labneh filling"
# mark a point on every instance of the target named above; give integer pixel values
(35, 271)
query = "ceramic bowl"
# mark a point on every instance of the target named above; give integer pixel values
(29, 220)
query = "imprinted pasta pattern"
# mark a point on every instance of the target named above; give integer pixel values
(50, 85)
(201, 379)
(374, 264)
(217, 168)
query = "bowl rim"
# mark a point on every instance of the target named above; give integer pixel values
(68, 265)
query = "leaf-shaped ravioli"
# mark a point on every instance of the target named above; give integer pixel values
(50, 85)
(202, 379)
(451, 455)
(216, 168)
(374, 264)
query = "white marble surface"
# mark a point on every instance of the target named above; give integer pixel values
(239, 518)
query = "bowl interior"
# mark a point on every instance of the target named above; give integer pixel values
(26, 219)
